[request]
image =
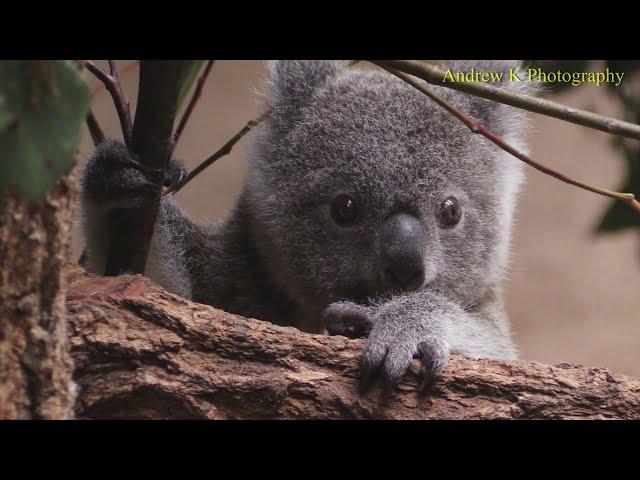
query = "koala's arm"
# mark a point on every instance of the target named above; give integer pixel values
(215, 264)
(114, 180)
(424, 325)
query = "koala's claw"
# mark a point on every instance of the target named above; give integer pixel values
(392, 360)
(391, 346)
(434, 354)
(370, 366)
(347, 319)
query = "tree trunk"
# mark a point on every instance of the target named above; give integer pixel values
(35, 365)
(142, 352)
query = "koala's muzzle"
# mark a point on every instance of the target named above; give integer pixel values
(402, 245)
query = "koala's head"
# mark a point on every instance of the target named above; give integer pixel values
(361, 186)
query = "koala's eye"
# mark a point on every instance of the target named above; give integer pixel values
(344, 210)
(450, 212)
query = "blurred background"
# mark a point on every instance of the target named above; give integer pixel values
(572, 293)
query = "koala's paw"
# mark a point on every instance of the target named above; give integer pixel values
(390, 350)
(348, 319)
(115, 178)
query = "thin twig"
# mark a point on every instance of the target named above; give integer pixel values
(475, 127)
(97, 135)
(112, 84)
(435, 75)
(114, 73)
(113, 70)
(123, 72)
(192, 103)
(225, 150)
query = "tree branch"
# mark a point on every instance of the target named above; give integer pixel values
(97, 135)
(224, 150)
(141, 352)
(192, 103)
(35, 363)
(434, 75)
(125, 71)
(112, 83)
(130, 230)
(475, 127)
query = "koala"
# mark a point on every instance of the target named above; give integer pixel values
(368, 210)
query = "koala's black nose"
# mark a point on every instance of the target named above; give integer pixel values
(403, 252)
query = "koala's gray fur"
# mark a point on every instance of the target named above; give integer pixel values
(280, 257)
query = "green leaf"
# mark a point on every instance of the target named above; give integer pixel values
(43, 104)
(620, 215)
(190, 76)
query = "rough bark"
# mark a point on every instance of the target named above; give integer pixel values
(141, 352)
(35, 365)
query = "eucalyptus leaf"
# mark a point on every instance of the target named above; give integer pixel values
(620, 216)
(190, 76)
(43, 104)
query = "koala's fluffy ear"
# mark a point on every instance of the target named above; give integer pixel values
(295, 80)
